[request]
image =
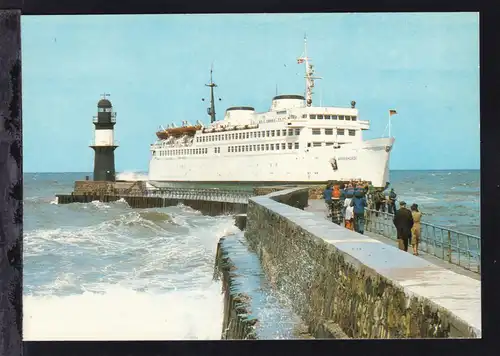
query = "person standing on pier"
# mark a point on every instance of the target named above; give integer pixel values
(391, 202)
(337, 215)
(359, 204)
(327, 195)
(403, 221)
(415, 229)
(379, 200)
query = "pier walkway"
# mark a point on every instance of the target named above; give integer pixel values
(318, 207)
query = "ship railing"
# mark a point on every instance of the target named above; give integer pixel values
(455, 247)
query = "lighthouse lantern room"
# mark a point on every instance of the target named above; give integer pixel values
(104, 142)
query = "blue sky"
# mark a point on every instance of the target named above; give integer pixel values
(426, 66)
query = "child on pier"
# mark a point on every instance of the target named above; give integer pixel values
(349, 217)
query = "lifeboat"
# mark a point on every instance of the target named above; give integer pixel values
(178, 132)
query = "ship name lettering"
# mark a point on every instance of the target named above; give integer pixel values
(352, 158)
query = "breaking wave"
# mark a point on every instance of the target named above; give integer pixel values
(131, 275)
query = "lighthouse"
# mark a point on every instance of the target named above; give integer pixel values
(104, 141)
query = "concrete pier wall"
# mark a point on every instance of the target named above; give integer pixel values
(211, 208)
(336, 277)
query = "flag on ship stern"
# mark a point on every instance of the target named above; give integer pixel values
(392, 112)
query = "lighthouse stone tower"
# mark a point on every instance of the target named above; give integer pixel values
(104, 141)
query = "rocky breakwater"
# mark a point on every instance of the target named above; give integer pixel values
(341, 282)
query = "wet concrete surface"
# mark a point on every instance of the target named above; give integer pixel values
(276, 320)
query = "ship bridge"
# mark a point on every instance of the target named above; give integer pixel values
(284, 102)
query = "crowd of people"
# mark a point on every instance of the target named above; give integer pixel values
(347, 203)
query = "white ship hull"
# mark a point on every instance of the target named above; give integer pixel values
(369, 161)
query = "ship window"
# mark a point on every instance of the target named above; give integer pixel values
(258, 147)
(304, 116)
(313, 117)
(340, 131)
(267, 133)
(334, 117)
(290, 132)
(250, 148)
(329, 144)
(354, 118)
(327, 117)
(317, 144)
(258, 134)
(262, 147)
(320, 117)
(272, 147)
(278, 132)
(267, 147)
(284, 132)
(203, 138)
(309, 144)
(248, 135)
(328, 131)
(352, 132)
(347, 117)
(283, 146)
(316, 131)
(296, 145)
(247, 148)
(272, 133)
(297, 132)
(341, 117)
(215, 149)
(239, 148)
(277, 146)
(290, 145)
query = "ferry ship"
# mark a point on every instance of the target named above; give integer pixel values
(293, 142)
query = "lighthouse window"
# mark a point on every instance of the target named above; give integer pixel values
(328, 117)
(283, 146)
(278, 132)
(290, 145)
(340, 131)
(296, 145)
(316, 131)
(352, 132)
(341, 117)
(320, 117)
(328, 131)
(297, 132)
(290, 132)
(354, 118)
(317, 144)
(313, 117)
(284, 132)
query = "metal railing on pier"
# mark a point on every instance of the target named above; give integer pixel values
(207, 194)
(456, 247)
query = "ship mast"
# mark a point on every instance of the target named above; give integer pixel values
(211, 109)
(309, 73)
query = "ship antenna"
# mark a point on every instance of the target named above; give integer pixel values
(212, 85)
(309, 73)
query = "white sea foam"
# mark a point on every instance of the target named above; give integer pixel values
(123, 314)
(132, 176)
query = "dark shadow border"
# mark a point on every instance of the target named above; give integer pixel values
(11, 181)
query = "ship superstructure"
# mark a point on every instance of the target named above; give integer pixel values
(293, 142)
